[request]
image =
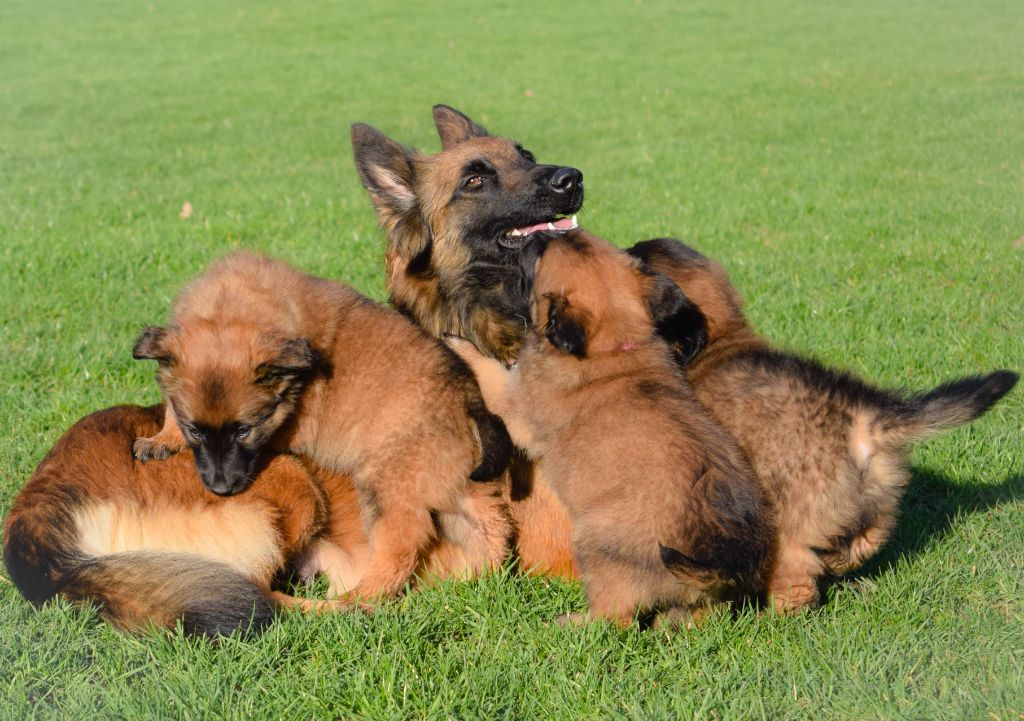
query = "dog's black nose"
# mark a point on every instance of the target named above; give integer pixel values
(565, 179)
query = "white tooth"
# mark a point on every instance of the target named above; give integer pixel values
(514, 231)
(551, 226)
(574, 223)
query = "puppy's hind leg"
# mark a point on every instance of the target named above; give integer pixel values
(613, 593)
(400, 529)
(164, 443)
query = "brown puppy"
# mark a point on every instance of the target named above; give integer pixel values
(151, 546)
(831, 449)
(667, 513)
(259, 355)
(147, 541)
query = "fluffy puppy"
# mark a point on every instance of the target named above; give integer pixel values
(147, 542)
(261, 356)
(152, 547)
(831, 449)
(667, 514)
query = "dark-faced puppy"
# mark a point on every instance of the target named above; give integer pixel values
(831, 449)
(667, 513)
(261, 356)
(147, 542)
(151, 546)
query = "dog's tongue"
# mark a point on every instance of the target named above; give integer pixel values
(560, 224)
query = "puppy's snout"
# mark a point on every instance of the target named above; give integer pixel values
(565, 180)
(225, 485)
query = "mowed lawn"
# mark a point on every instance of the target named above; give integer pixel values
(858, 167)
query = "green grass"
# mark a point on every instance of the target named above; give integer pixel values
(858, 167)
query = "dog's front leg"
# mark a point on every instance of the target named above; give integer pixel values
(496, 386)
(163, 444)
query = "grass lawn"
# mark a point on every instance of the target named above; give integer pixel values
(859, 167)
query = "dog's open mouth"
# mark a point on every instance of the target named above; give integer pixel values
(516, 237)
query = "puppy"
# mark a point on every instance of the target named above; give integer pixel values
(147, 542)
(831, 449)
(667, 514)
(261, 356)
(152, 547)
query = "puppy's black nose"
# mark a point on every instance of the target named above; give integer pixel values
(565, 179)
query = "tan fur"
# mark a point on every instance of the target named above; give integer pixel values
(240, 535)
(388, 407)
(821, 442)
(628, 449)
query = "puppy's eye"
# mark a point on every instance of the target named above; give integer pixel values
(473, 182)
(195, 434)
(242, 432)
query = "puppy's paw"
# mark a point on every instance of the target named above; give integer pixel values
(573, 619)
(678, 618)
(462, 347)
(146, 449)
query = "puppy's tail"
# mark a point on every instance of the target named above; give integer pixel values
(133, 589)
(947, 406)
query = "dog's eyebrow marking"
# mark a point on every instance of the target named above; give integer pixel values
(478, 167)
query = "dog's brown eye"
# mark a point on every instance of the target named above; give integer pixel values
(242, 432)
(473, 182)
(195, 434)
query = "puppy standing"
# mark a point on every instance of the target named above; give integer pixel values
(259, 355)
(829, 448)
(667, 514)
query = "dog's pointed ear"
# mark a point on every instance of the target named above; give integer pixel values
(677, 319)
(386, 171)
(291, 359)
(152, 345)
(565, 329)
(453, 127)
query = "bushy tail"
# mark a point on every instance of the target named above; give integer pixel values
(947, 406)
(135, 589)
(141, 588)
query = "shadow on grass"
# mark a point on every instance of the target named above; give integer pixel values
(933, 504)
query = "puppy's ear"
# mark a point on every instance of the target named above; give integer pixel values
(678, 321)
(385, 168)
(291, 359)
(565, 327)
(454, 127)
(152, 345)
(528, 258)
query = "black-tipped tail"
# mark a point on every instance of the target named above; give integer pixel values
(947, 406)
(138, 589)
(150, 588)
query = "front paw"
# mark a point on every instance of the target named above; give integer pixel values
(462, 347)
(146, 449)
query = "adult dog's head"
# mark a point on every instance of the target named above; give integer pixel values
(456, 222)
